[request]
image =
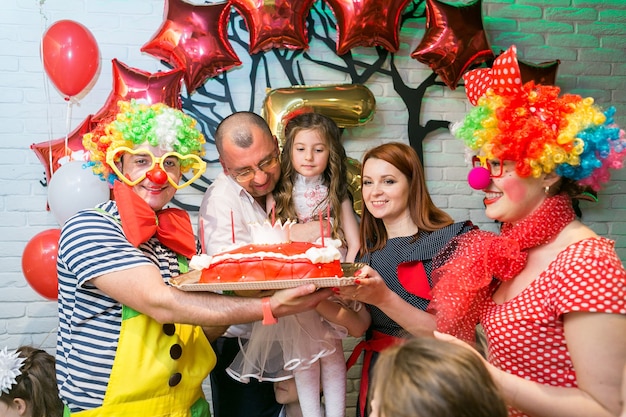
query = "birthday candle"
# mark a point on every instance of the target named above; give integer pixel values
(201, 233)
(321, 228)
(328, 218)
(232, 226)
(273, 214)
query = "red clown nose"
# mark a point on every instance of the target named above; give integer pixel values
(479, 178)
(157, 175)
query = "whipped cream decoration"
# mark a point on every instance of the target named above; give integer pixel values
(199, 262)
(323, 255)
(266, 234)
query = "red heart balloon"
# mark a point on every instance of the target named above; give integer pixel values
(70, 56)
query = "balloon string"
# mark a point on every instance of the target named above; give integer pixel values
(46, 86)
(68, 124)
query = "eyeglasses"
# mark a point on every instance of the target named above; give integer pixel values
(494, 166)
(172, 163)
(248, 174)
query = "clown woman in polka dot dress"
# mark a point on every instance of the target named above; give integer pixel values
(549, 292)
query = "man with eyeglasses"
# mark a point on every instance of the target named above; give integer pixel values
(249, 155)
(128, 343)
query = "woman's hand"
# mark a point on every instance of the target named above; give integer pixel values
(369, 288)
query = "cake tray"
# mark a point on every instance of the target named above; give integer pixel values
(189, 282)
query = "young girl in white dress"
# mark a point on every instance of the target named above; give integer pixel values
(308, 346)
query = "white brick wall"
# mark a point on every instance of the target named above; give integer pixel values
(31, 111)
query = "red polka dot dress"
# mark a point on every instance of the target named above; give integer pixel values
(526, 336)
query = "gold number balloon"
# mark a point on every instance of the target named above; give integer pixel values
(348, 105)
(353, 174)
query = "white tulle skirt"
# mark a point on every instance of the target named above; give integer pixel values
(296, 342)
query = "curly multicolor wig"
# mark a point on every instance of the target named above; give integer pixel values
(540, 130)
(159, 125)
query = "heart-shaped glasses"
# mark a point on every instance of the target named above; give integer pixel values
(171, 164)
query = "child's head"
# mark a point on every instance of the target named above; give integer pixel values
(28, 384)
(312, 147)
(312, 137)
(285, 391)
(427, 377)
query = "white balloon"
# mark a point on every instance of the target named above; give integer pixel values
(74, 187)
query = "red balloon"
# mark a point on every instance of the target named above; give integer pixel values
(195, 39)
(50, 152)
(275, 23)
(70, 56)
(132, 83)
(367, 23)
(39, 263)
(454, 40)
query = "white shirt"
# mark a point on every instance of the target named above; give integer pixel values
(227, 210)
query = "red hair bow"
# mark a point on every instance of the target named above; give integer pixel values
(504, 77)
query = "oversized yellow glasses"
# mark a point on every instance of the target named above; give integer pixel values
(157, 169)
(494, 166)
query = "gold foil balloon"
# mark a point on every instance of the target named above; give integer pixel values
(347, 104)
(353, 174)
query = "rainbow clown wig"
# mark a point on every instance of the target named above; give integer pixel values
(161, 126)
(540, 130)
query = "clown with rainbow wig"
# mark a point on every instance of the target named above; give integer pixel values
(103, 338)
(548, 292)
(130, 343)
(157, 125)
(538, 129)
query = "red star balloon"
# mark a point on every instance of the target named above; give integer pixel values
(454, 40)
(195, 39)
(275, 23)
(367, 23)
(132, 83)
(50, 152)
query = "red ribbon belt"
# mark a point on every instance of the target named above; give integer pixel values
(378, 343)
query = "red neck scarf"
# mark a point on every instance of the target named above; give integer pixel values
(172, 226)
(466, 268)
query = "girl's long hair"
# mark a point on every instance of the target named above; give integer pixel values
(424, 213)
(334, 176)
